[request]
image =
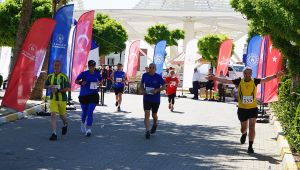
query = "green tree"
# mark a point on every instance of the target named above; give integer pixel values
(160, 32)
(280, 19)
(209, 45)
(109, 35)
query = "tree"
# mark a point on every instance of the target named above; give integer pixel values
(280, 19)
(160, 32)
(209, 46)
(109, 34)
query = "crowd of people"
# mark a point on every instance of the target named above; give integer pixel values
(151, 86)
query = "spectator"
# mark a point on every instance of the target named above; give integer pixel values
(221, 88)
(209, 86)
(196, 79)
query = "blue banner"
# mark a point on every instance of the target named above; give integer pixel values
(253, 53)
(159, 56)
(60, 38)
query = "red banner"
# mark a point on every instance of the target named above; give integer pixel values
(261, 68)
(28, 64)
(273, 65)
(224, 58)
(82, 45)
(133, 59)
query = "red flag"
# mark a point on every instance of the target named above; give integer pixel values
(261, 67)
(224, 58)
(273, 65)
(29, 62)
(133, 59)
(82, 45)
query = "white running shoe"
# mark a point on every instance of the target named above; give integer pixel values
(88, 133)
(83, 127)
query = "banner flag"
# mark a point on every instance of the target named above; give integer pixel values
(29, 62)
(253, 53)
(159, 56)
(82, 45)
(261, 67)
(133, 59)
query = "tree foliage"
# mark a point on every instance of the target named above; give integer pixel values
(109, 34)
(160, 32)
(280, 19)
(10, 12)
(209, 45)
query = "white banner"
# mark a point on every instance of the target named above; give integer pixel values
(5, 57)
(94, 55)
(191, 54)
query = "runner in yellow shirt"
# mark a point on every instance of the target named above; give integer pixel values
(58, 83)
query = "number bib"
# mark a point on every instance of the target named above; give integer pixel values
(93, 85)
(148, 90)
(247, 99)
(119, 80)
(173, 83)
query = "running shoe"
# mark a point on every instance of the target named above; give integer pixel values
(147, 135)
(53, 137)
(88, 133)
(153, 129)
(83, 127)
(119, 109)
(172, 108)
(250, 150)
(64, 130)
(243, 138)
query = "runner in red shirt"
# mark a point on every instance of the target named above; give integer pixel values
(172, 83)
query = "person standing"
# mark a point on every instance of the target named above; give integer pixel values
(247, 104)
(58, 84)
(221, 89)
(108, 78)
(209, 86)
(171, 84)
(151, 86)
(89, 82)
(196, 79)
(119, 78)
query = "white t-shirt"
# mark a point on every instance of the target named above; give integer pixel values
(196, 76)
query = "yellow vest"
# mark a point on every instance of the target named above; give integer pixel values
(247, 94)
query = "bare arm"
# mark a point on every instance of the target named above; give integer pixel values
(142, 88)
(222, 80)
(269, 78)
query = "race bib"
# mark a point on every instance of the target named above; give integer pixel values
(247, 99)
(149, 89)
(173, 83)
(93, 85)
(119, 80)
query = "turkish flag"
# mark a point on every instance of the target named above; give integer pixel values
(28, 64)
(82, 45)
(273, 65)
(224, 58)
(133, 59)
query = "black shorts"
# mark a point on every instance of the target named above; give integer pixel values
(118, 90)
(245, 114)
(210, 86)
(151, 106)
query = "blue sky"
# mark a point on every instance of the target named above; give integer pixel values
(109, 4)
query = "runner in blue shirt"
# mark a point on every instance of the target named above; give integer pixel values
(88, 97)
(119, 79)
(151, 85)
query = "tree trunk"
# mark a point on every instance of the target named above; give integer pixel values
(22, 31)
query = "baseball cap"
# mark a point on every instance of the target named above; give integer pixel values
(91, 63)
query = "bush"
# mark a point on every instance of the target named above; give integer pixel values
(287, 110)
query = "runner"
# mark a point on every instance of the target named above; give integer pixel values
(58, 83)
(171, 83)
(88, 97)
(247, 106)
(151, 85)
(119, 79)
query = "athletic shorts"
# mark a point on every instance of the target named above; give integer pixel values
(151, 106)
(209, 86)
(245, 114)
(58, 107)
(118, 90)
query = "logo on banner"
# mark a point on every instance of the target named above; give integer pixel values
(30, 52)
(158, 59)
(223, 61)
(59, 41)
(60, 38)
(252, 60)
(82, 42)
(132, 57)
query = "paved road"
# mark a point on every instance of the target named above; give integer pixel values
(198, 135)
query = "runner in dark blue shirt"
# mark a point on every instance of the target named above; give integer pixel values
(151, 85)
(119, 79)
(88, 97)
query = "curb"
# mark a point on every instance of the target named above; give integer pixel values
(285, 152)
(20, 115)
